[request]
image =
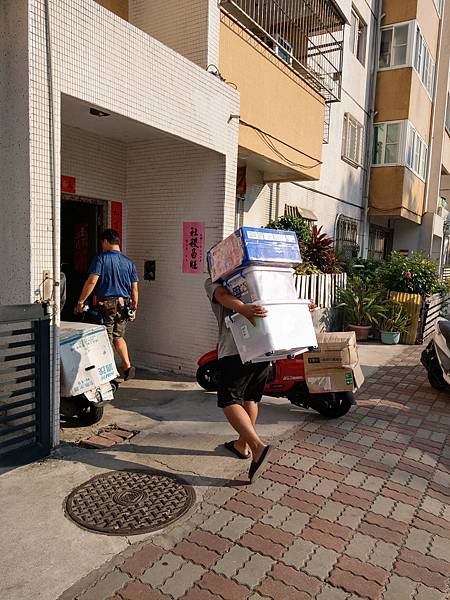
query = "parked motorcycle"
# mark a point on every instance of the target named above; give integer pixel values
(286, 380)
(436, 356)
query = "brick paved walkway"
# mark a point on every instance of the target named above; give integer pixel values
(348, 509)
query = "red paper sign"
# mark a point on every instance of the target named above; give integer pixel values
(68, 184)
(193, 246)
(81, 244)
(116, 217)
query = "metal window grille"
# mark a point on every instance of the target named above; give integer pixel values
(380, 242)
(347, 237)
(307, 35)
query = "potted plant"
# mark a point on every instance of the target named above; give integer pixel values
(363, 307)
(394, 322)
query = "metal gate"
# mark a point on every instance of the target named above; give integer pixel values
(24, 384)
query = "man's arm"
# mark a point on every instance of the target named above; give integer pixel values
(224, 297)
(134, 295)
(87, 290)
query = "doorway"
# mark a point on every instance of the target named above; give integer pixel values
(82, 221)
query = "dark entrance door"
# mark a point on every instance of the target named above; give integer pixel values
(81, 224)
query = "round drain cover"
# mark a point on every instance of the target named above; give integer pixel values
(129, 502)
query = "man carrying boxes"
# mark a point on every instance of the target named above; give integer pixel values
(260, 318)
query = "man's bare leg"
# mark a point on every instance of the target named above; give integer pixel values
(251, 408)
(122, 350)
(240, 420)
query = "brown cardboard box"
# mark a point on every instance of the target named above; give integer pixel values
(334, 367)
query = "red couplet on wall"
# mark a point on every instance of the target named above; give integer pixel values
(193, 246)
(68, 185)
(116, 217)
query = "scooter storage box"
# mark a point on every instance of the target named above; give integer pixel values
(253, 245)
(286, 331)
(251, 284)
(87, 359)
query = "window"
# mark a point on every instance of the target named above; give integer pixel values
(386, 148)
(352, 140)
(347, 236)
(423, 62)
(394, 46)
(398, 143)
(358, 32)
(416, 152)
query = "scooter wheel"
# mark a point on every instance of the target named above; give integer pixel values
(208, 376)
(436, 379)
(333, 405)
(91, 414)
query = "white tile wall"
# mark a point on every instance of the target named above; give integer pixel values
(100, 59)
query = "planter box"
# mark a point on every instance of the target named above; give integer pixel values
(412, 303)
(423, 311)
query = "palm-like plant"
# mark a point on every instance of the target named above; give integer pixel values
(362, 306)
(395, 318)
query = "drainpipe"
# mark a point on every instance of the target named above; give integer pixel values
(370, 125)
(54, 304)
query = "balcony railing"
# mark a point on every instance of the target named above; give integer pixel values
(307, 35)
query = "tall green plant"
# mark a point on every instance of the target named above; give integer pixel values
(362, 305)
(319, 251)
(395, 318)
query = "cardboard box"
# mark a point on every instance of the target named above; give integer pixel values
(334, 367)
(253, 245)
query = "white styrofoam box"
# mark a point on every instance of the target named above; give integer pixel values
(263, 283)
(287, 330)
(87, 359)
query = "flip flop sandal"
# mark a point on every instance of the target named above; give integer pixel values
(256, 467)
(230, 447)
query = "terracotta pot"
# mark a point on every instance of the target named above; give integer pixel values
(361, 331)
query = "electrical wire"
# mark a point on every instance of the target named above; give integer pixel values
(267, 139)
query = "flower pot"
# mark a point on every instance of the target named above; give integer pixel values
(361, 331)
(390, 337)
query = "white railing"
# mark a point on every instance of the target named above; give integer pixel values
(321, 289)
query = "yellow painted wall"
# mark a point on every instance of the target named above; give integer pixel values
(396, 11)
(401, 95)
(119, 7)
(273, 99)
(396, 191)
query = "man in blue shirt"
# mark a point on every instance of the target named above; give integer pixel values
(114, 281)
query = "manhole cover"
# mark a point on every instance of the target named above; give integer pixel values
(129, 502)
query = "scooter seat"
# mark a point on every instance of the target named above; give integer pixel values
(444, 328)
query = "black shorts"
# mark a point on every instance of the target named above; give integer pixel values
(240, 383)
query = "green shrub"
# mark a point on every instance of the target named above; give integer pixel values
(362, 304)
(415, 274)
(297, 224)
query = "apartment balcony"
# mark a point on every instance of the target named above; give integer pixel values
(395, 191)
(285, 58)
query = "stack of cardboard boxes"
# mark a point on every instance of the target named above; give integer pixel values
(257, 266)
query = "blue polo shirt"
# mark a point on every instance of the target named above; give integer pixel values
(117, 272)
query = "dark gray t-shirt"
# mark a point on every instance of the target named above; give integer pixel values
(227, 346)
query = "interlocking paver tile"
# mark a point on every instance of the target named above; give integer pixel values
(164, 568)
(236, 528)
(135, 590)
(226, 588)
(321, 563)
(355, 584)
(360, 546)
(440, 548)
(182, 580)
(384, 555)
(254, 571)
(329, 592)
(141, 560)
(421, 575)
(232, 561)
(106, 587)
(426, 593)
(299, 553)
(295, 522)
(399, 588)
(218, 520)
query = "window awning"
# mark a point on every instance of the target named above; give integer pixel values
(299, 211)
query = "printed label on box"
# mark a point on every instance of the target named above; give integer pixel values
(244, 331)
(324, 383)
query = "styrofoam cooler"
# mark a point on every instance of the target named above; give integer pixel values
(251, 284)
(87, 361)
(251, 246)
(287, 330)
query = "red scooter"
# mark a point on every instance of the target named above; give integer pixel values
(286, 380)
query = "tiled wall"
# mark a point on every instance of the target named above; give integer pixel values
(99, 58)
(171, 181)
(191, 27)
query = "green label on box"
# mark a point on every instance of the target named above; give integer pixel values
(349, 378)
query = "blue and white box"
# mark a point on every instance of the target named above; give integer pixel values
(253, 246)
